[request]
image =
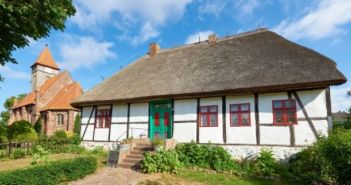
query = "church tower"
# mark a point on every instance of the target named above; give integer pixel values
(43, 69)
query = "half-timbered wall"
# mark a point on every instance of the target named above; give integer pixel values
(139, 120)
(184, 120)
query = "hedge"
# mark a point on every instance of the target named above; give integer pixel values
(52, 173)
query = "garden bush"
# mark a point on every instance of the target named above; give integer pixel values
(162, 161)
(53, 173)
(18, 153)
(265, 164)
(3, 134)
(76, 127)
(38, 126)
(59, 137)
(21, 131)
(327, 161)
(206, 156)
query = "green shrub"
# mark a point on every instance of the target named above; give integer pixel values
(98, 151)
(3, 134)
(265, 164)
(206, 156)
(75, 140)
(162, 161)
(40, 155)
(76, 127)
(59, 137)
(53, 173)
(38, 126)
(21, 131)
(157, 142)
(327, 161)
(18, 153)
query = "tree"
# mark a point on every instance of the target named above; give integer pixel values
(38, 126)
(76, 128)
(5, 115)
(24, 20)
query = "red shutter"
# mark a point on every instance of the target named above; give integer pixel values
(157, 119)
(166, 119)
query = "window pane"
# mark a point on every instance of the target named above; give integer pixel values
(213, 109)
(157, 119)
(279, 116)
(277, 104)
(203, 109)
(234, 119)
(166, 119)
(291, 113)
(245, 118)
(213, 120)
(234, 108)
(290, 103)
(203, 120)
(244, 107)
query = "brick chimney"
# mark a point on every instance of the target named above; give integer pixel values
(154, 48)
(212, 38)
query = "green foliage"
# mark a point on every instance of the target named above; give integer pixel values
(158, 142)
(162, 161)
(76, 128)
(327, 161)
(98, 151)
(59, 137)
(206, 156)
(3, 134)
(21, 131)
(75, 140)
(265, 164)
(5, 115)
(40, 155)
(18, 153)
(38, 126)
(24, 20)
(53, 173)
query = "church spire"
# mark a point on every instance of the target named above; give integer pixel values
(45, 59)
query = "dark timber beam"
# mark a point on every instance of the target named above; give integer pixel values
(257, 120)
(197, 120)
(128, 118)
(309, 121)
(291, 127)
(91, 114)
(224, 117)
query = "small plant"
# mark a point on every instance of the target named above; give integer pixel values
(127, 140)
(161, 162)
(59, 137)
(40, 155)
(18, 153)
(75, 140)
(265, 164)
(158, 143)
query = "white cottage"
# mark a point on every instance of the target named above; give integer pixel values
(243, 92)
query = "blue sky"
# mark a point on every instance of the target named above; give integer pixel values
(105, 36)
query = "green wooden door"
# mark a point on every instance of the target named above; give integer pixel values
(161, 119)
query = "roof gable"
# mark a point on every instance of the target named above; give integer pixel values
(45, 58)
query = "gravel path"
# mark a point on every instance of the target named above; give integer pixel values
(115, 176)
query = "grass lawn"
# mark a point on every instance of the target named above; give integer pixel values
(12, 164)
(192, 177)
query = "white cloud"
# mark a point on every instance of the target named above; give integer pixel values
(326, 20)
(203, 35)
(146, 33)
(212, 7)
(7, 72)
(140, 14)
(246, 7)
(340, 100)
(84, 52)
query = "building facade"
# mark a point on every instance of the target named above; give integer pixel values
(50, 98)
(245, 92)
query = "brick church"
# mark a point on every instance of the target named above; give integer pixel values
(50, 98)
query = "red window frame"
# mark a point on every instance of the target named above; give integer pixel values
(208, 114)
(239, 112)
(284, 108)
(103, 118)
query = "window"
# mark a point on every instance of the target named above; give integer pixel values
(284, 112)
(103, 118)
(240, 115)
(59, 119)
(209, 116)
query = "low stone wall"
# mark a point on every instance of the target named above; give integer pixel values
(282, 153)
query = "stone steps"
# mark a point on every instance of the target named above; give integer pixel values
(136, 154)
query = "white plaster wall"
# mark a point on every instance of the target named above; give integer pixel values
(314, 102)
(89, 132)
(303, 134)
(118, 131)
(136, 130)
(86, 114)
(101, 134)
(185, 110)
(212, 134)
(119, 113)
(139, 112)
(280, 152)
(244, 134)
(265, 105)
(185, 132)
(276, 135)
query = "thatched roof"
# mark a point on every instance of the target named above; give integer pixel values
(252, 62)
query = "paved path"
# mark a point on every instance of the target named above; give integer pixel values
(115, 176)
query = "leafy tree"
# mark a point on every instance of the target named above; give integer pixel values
(5, 115)
(76, 128)
(24, 20)
(38, 126)
(21, 131)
